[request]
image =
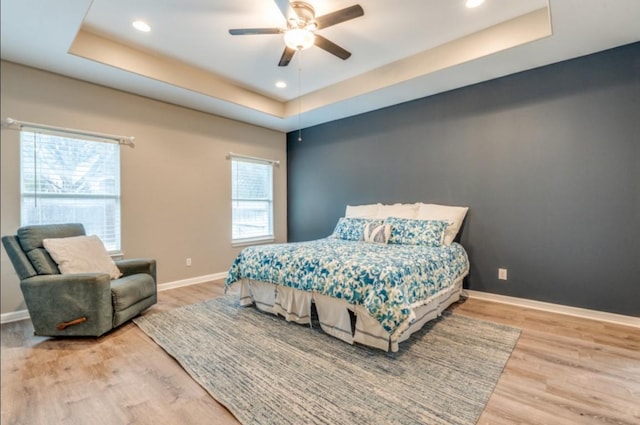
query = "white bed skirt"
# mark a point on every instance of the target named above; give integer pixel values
(333, 314)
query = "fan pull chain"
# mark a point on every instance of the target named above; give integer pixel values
(299, 100)
(36, 176)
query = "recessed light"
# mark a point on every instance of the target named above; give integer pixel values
(473, 3)
(281, 84)
(141, 26)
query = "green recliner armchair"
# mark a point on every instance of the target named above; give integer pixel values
(83, 304)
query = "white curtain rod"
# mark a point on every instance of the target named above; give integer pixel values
(19, 125)
(254, 158)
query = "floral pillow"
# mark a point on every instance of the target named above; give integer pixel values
(407, 231)
(352, 228)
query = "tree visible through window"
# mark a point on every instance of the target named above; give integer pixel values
(71, 180)
(252, 200)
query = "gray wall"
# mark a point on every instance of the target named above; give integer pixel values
(548, 161)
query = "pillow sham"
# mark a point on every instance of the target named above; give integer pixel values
(454, 215)
(81, 254)
(363, 211)
(398, 210)
(416, 232)
(377, 233)
(352, 228)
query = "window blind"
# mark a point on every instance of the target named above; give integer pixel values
(252, 200)
(71, 179)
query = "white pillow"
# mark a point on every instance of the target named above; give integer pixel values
(362, 211)
(81, 254)
(454, 215)
(398, 210)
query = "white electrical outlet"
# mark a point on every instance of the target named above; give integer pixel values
(502, 274)
(188, 262)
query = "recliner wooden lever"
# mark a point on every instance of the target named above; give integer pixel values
(62, 326)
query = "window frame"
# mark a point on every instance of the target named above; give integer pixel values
(30, 136)
(269, 236)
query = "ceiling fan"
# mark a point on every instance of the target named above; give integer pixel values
(302, 25)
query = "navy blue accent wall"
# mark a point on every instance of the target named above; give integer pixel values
(548, 160)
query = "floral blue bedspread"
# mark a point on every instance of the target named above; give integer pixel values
(387, 280)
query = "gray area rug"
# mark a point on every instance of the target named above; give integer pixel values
(268, 371)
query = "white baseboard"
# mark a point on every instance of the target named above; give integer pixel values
(14, 316)
(603, 316)
(24, 314)
(191, 281)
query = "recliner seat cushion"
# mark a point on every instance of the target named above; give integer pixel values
(128, 290)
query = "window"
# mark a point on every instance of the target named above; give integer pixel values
(71, 180)
(251, 200)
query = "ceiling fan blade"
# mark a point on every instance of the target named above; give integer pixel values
(252, 31)
(286, 9)
(287, 55)
(339, 16)
(331, 47)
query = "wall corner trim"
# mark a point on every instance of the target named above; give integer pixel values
(602, 316)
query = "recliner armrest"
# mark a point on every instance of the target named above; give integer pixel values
(137, 265)
(53, 282)
(51, 287)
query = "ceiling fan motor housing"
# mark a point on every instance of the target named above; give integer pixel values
(306, 14)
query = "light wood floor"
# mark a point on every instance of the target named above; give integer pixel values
(564, 370)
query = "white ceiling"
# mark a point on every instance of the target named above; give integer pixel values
(401, 50)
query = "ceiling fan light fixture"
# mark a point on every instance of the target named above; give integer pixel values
(299, 38)
(302, 24)
(141, 26)
(473, 3)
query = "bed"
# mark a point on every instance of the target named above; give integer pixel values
(383, 273)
